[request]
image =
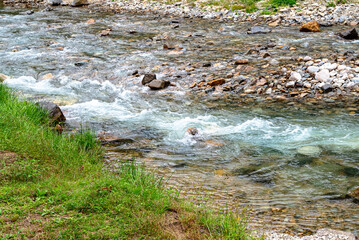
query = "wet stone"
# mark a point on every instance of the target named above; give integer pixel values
(311, 26)
(349, 34)
(147, 78)
(258, 30)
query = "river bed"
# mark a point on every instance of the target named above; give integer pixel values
(290, 166)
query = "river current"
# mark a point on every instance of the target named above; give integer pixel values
(289, 166)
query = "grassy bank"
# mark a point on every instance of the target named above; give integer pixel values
(56, 187)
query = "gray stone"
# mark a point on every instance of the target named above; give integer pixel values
(158, 84)
(258, 30)
(349, 34)
(78, 3)
(313, 69)
(54, 111)
(311, 151)
(295, 76)
(55, 2)
(323, 75)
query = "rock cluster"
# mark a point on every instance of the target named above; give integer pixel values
(153, 83)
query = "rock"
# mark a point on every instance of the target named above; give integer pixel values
(192, 131)
(216, 82)
(258, 30)
(30, 12)
(78, 3)
(54, 111)
(311, 151)
(55, 2)
(58, 129)
(3, 77)
(313, 69)
(290, 84)
(158, 84)
(354, 193)
(147, 78)
(311, 26)
(323, 75)
(90, 21)
(105, 32)
(295, 76)
(349, 34)
(327, 88)
(241, 61)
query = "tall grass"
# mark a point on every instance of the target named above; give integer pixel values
(57, 187)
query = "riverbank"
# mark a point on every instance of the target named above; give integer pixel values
(56, 186)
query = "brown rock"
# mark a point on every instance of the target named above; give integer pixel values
(216, 82)
(90, 21)
(241, 61)
(147, 78)
(354, 193)
(158, 84)
(58, 129)
(105, 32)
(54, 111)
(312, 26)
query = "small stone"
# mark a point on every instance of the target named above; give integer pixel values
(90, 21)
(354, 193)
(323, 75)
(295, 76)
(47, 76)
(327, 88)
(147, 78)
(290, 84)
(311, 26)
(55, 2)
(78, 3)
(192, 131)
(216, 82)
(313, 69)
(241, 61)
(258, 30)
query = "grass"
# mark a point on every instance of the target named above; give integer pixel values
(56, 187)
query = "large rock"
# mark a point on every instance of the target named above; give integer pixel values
(312, 26)
(216, 82)
(258, 30)
(158, 84)
(349, 34)
(147, 78)
(54, 111)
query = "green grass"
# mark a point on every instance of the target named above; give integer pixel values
(57, 187)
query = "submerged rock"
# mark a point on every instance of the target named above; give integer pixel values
(192, 131)
(349, 34)
(54, 111)
(311, 151)
(55, 2)
(312, 26)
(258, 30)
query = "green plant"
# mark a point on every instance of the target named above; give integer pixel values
(279, 3)
(331, 4)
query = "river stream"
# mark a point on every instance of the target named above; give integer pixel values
(289, 165)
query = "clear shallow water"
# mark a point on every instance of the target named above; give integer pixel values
(290, 166)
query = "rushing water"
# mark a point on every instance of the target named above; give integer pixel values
(289, 166)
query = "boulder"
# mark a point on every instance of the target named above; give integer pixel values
(349, 34)
(3, 77)
(158, 84)
(147, 78)
(54, 111)
(78, 3)
(312, 26)
(258, 30)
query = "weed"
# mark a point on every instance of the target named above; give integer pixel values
(279, 3)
